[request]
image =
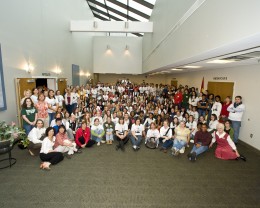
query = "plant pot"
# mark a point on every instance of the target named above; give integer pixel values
(20, 145)
(4, 146)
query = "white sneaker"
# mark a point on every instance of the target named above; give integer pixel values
(98, 144)
(102, 141)
(182, 150)
(134, 147)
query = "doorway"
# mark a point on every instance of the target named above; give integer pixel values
(223, 89)
(41, 83)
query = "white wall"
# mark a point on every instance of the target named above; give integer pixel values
(117, 59)
(214, 24)
(38, 31)
(138, 79)
(246, 79)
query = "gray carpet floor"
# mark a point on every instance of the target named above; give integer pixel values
(103, 177)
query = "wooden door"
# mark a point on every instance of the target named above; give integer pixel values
(223, 89)
(174, 83)
(62, 85)
(22, 84)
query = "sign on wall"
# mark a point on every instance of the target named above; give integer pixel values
(2, 86)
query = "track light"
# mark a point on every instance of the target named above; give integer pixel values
(126, 25)
(108, 47)
(126, 47)
(95, 24)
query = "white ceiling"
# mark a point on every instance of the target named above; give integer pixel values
(240, 47)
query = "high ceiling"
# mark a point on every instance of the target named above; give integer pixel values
(122, 10)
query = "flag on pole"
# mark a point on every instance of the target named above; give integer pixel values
(202, 86)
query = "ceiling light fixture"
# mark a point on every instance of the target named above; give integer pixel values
(221, 61)
(176, 69)
(192, 67)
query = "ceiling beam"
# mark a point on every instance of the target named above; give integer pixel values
(145, 3)
(131, 9)
(113, 10)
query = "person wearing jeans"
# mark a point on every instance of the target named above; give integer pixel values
(29, 115)
(137, 131)
(236, 111)
(109, 128)
(202, 140)
(182, 138)
(97, 131)
(165, 136)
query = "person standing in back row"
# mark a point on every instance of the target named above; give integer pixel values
(236, 111)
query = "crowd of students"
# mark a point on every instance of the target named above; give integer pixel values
(163, 116)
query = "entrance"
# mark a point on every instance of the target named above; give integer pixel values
(223, 89)
(23, 84)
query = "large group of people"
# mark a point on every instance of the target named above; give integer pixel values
(164, 117)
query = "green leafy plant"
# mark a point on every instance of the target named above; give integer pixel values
(12, 132)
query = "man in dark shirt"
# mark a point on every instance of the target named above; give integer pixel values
(202, 106)
(202, 141)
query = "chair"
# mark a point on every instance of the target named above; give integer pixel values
(5, 147)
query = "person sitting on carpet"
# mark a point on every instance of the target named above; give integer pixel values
(137, 131)
(121, 134)
(47, 154)
(182, 138)
(202, 140)
(226, 148)
(82, 137)
(152, 137)
(63, 144)
(97, 132)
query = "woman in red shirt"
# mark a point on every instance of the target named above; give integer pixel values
(224, 113)
(82, 138)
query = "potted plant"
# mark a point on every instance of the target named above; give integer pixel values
(9, 134)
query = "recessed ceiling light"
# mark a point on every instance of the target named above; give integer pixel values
(176, 69)
(192, 67)
(221, 61)
(165, 72)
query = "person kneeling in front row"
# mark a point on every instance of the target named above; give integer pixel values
(36, 136)
(202, 141)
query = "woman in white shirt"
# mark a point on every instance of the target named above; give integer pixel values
(148, 121)
(213, 123)
(165, 136)
(52, 104)
(47, 154)
(217, 107)
(193, 100)
(114, 118)
(121, 129)
(226, 148)
(35, 137)
(192, 126)
(153, 135)
(74, 97)
(59, 98)
(34, 96)
(137, 131)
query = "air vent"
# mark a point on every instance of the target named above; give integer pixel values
(237, 58)
(243, 57)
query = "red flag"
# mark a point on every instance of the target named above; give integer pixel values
(202, 86)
